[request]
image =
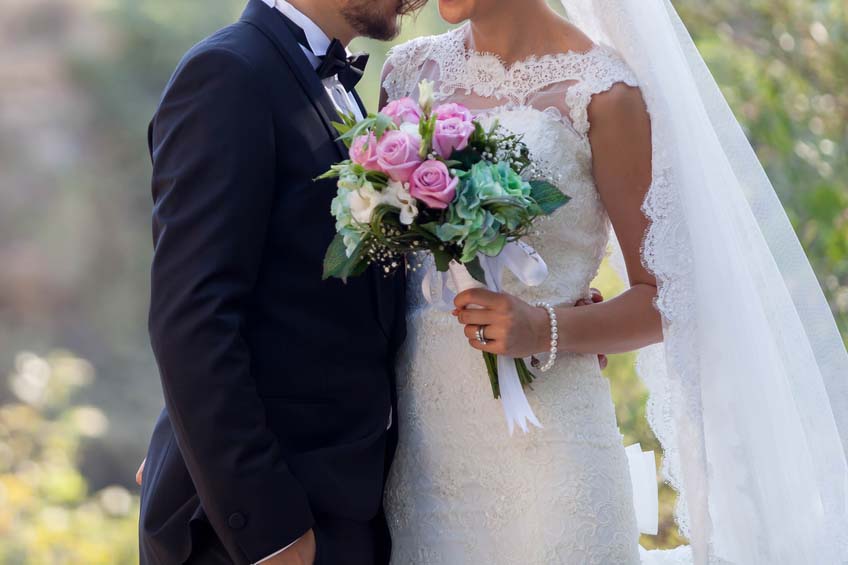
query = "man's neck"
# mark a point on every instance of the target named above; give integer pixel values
(328, 18)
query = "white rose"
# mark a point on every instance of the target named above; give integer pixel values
(363, 201)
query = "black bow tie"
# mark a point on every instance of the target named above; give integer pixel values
(336, 62)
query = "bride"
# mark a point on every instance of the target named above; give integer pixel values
(748, 397)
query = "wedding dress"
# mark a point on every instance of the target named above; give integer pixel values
(748, 396)
(462, 490)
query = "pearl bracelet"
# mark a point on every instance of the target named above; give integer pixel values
(554, 340)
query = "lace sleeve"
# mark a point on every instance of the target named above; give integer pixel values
(403, 66)
(602, 72)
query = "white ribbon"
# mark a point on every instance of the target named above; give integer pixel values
(643, 476)
(529, 268)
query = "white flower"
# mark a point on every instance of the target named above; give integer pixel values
(397, 194)
(488, 74)
(411, 129)
(363, 201)
(425, 95)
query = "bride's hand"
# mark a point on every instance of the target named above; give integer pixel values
(512, 327)
(597, 298)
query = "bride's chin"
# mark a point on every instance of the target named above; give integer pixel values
(455, 11)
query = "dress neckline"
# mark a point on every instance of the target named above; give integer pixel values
(462, 36)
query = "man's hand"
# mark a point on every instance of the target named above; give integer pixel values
(138, 474)
(596, 298)
(302, 552)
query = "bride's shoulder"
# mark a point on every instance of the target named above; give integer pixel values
(599, 78)
(405, 62)
(419, 49)
(603, 67)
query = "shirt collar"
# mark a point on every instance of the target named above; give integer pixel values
(318, 41)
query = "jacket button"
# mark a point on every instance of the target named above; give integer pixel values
(237, 521)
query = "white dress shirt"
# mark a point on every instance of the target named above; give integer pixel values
(343, 100)
(319, 42)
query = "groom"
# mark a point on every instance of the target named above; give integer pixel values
(279, 388)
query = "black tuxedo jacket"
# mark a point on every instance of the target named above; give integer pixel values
(277, 385)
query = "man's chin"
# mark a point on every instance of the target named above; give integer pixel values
(375, 25)
(384, 31)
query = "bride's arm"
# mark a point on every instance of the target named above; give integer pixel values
(384, 73)
(621, 144)
(621, 147)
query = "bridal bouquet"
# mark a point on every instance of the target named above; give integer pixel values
(432, 179)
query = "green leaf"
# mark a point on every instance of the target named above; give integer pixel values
(432, 228)
(331, 174)
(547, 196)
(345, 126)
(338, 265)
(358, 129)
(378, 179)
(524, 375)
(340, 127)
(425, 235)
(382, 123)
(442, 258)
(465, 159)
(475, 269)
(492, 368)
(425, 130)
(384, 215)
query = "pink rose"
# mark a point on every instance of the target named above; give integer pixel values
(398, 154)
(451, 134)
(433, 184)
(363, 151)
(404, 110)
(452, 110)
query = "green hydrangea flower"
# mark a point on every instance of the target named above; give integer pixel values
(490, 197)
(510, 182)
(345, 225)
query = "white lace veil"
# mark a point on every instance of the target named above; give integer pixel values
(749, 392)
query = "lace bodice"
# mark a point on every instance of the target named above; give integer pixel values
(462, 491)
(558, 84)
(546, 100)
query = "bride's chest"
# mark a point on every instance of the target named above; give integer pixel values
(573, 240)
(559, 153)
(560, 156)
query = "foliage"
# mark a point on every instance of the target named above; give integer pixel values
(783, 65)
(47, 514)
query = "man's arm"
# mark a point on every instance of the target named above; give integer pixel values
(213, 186)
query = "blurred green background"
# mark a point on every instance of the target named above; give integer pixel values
(79, 80)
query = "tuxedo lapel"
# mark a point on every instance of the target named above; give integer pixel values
(270, 22)
(361, 104)
(385, 293)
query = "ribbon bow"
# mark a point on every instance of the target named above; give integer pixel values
(523, 261)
